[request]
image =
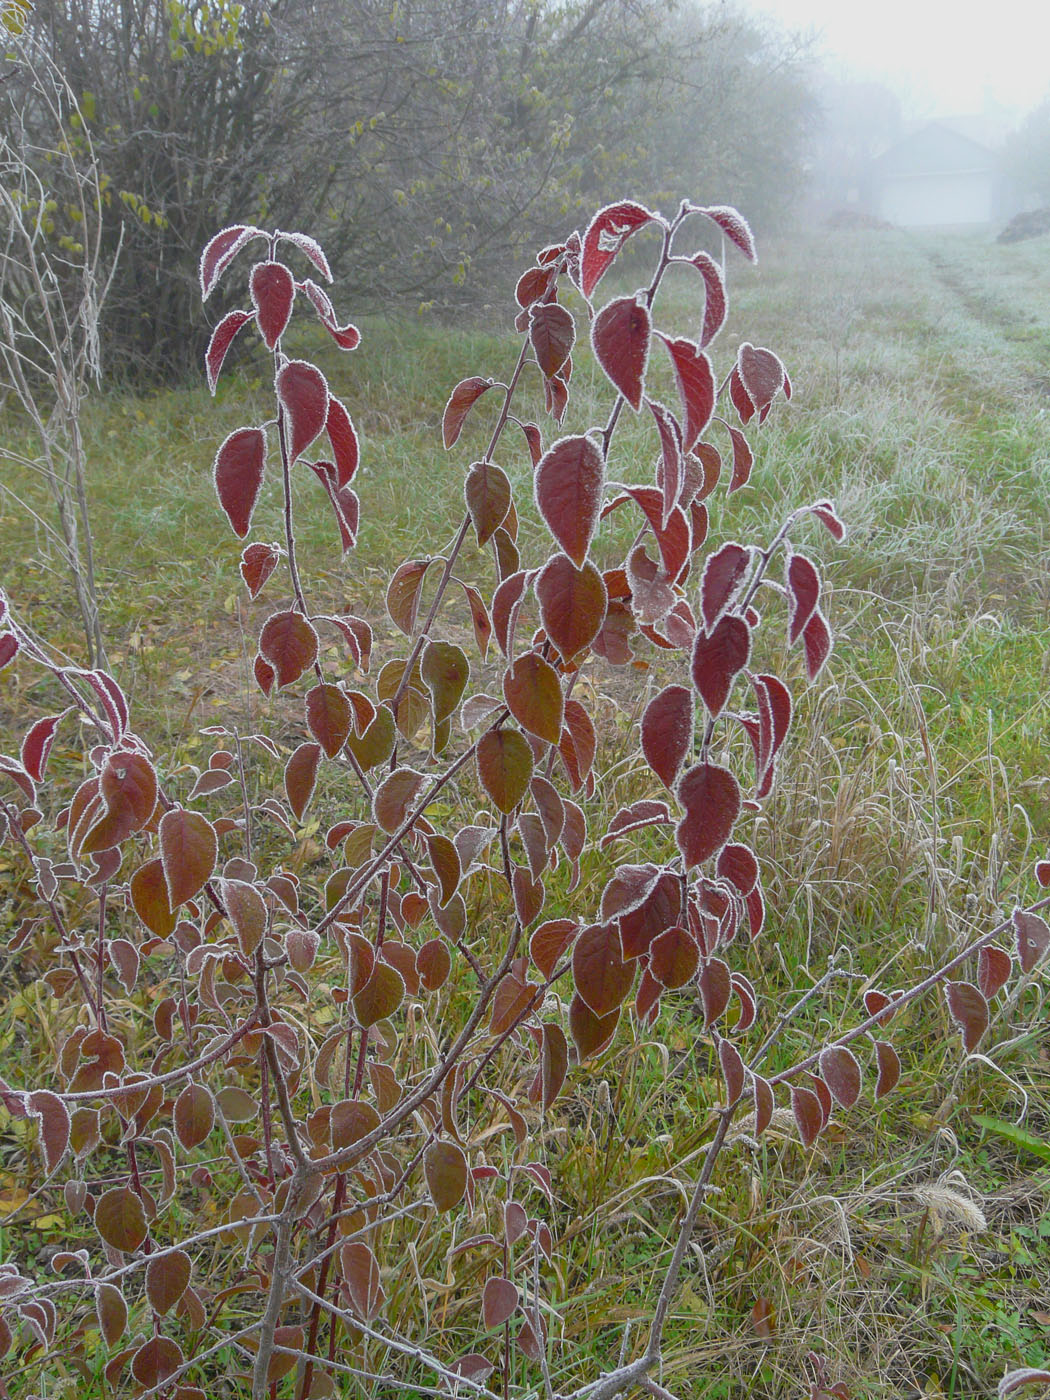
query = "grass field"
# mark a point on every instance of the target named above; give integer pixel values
(912, 1246)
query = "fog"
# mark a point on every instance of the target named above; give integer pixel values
(940, 57)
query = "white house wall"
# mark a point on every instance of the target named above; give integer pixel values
(918, 201)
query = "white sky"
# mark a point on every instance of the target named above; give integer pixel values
(942, 56)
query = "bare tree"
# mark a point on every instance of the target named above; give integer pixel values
(52, 287)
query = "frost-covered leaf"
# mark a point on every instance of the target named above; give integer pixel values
(667, 732)
(273, 294)
(238, 475)
(710, 795)
(605, 236)
(570, 482)
(620, 335)
(303, 395)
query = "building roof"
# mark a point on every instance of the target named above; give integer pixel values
(937, 147)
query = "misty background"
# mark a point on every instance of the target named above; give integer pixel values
(433, 145)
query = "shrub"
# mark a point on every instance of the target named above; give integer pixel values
(264, 1205)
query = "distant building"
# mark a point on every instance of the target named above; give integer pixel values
(947, 171)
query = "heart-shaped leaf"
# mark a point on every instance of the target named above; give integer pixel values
(620, 335)
(710, 795)
(570, 483)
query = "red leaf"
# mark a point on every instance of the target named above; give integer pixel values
(329, 717)
(156, 1360)
(167, 1278)
(620, 335)
(9, 648)
(112, 1311)
(591, 1034)
(724, 572)
(601, 976)
(264, 674)
(120, 1219)
(718, 658)
(573, 604)
(506, 603)
(764, 1103)
(533, 694)
(671, 466)
(289, 643)
(392, 797)
(762, 374)
(433, 964)
(532, 285)
(487, 493)
(745, 994)
(552, 332)
(343, 436)
(273, 293)
(803, 583)
(606, 234)
(696, 385)
(889, 1068)
(381, 995)
(1025, 1375)
(247, 913)
(36, 746)
(128, 787)
(258, 562)
(403, 593)
(188, 849)
(715, 304)
(806, 1107)
(732, 1070)
(346, 337)
(639, 814)
(504, 766)
(816, 638)
(738, 865)
(1033, 938)
(570, 482)
(674, 958)
(310, 247)
(577, 744)
(733, 225)
(549, 942)
(238, 475)
(149, 898)
(54, 1126)
(994, 966)
(969, 1011)
(715, 990)
(303, 395)
(534, 441)
(222, 337)
(300, 777)
(220, 251)
(743, 460)
(711, 798)
(193, 1116)
(499, 1301)
(460, 402)
(841, 1073)
(826, 514)
(667, 732)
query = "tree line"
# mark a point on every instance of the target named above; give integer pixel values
(427, 141)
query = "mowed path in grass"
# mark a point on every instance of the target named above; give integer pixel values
(913, 802)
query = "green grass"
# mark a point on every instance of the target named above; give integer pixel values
(913, 802)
